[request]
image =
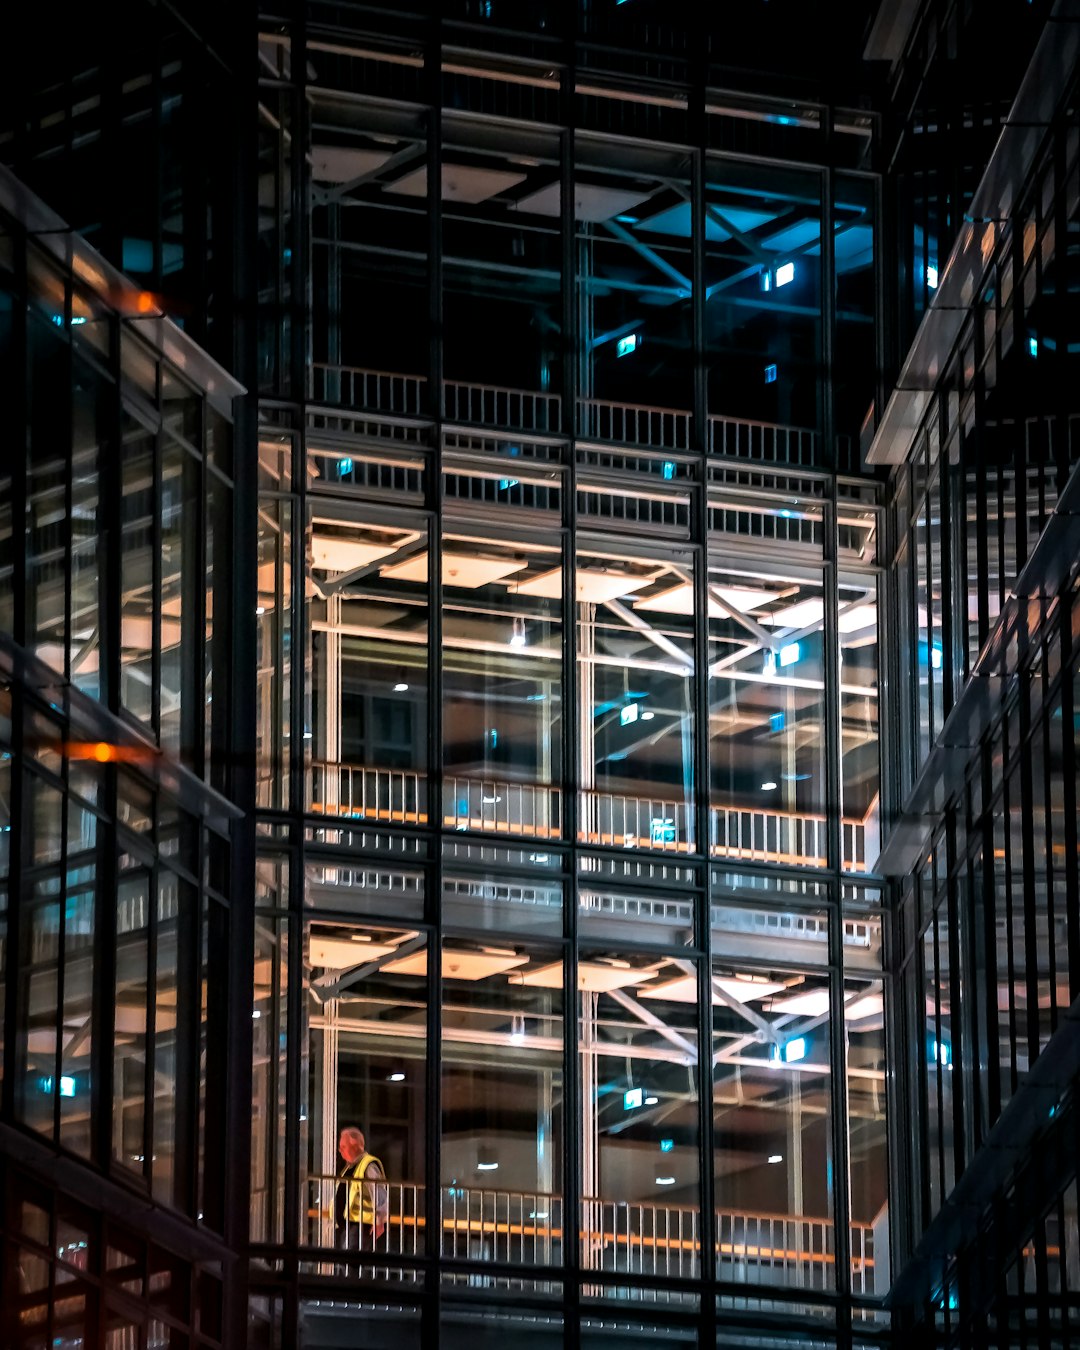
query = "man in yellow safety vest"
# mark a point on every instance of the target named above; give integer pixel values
(361, 1207)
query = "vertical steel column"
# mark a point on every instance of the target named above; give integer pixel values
(234, 734)
(700, 703)
(16, 423)
(430, 1312)
(833, 775)
(573, 1105)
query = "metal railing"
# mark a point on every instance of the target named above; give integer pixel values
(492, 805)
(371, 390)
(608, 819)
(783, 837)
(489, 405)
(634, 424)
(763, 442)
(640, 1238)
(356, 792)
(613, 820)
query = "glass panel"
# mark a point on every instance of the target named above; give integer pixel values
(365, 1012)
(634, 273)
(76, 1027)
(495, 901)
(501, 275)
(860, 763)
(181, 525)
(864, 1017)
(640, 1139)
(46, 475)
(138, 527)
(762, 310)
(502, 609)
(635, 680)
(368, 615)
(771, 1109)
(502, 1102)
(171, 1012)
(767, 688)
(371, 161)
(854, 357)
(274, 637)
(269, 1043)
(90, 390)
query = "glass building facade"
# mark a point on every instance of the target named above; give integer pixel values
(555, 706)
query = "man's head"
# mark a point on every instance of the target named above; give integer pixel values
(351, 1143)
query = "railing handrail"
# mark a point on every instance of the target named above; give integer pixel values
(633, 407)
(557, 1196)
(764, 426)
(510, 391)
(368, 370)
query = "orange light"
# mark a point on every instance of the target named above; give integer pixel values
(102, 752)
(144, 302)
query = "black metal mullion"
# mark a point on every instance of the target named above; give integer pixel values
(432, 1302)
(833, 777)
(708, 1272)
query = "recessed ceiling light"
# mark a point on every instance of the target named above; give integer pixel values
(769, 786)
(400, 688)
(776, 1157)
(665, 1181)
(395, 1078)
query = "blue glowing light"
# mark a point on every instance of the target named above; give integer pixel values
(345, 467)
(1033, 346)
(785, 273)
(667, 1145)
(932, 276)
(776, 721)
(789, 654)
(788, 1053)
(663, 830)
(770, 374)
(633, 1097)
(628, 714)
(626, 345)
(669, 469)
(505, 483)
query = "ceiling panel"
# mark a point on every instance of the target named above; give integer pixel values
(593, 585)
(332, 553)
(344, 163)
(460, 183)
(458, 569)
(344, 953)
(460, 965)
(595, 977)
(591, 202)
(684, 989)
(680, 600)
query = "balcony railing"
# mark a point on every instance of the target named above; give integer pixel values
(607, 819)
(763, 442)
(640, 1238)
(634, 424)
(496, 407)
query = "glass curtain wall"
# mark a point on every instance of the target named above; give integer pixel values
(586, 619)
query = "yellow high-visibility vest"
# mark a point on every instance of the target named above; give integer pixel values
(362, 1206)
